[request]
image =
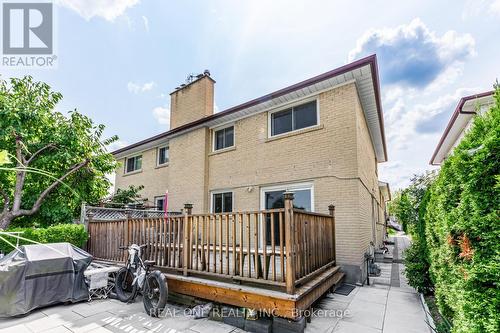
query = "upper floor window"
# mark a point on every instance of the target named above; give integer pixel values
(224, 138)
(222, 202)
(294, 118)
(162, 156)
(133, 163)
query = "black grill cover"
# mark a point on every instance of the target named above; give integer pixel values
(38, 275)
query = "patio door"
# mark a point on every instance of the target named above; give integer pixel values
(272, 198)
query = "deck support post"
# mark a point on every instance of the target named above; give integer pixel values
(331, 208)
(188, 210)
(289, 243)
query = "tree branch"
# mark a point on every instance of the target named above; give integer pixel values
(38, 202)
(38, 152)
(20, 175)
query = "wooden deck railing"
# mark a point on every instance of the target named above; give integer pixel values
(277, 247)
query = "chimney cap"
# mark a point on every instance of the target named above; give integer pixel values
(191, 78)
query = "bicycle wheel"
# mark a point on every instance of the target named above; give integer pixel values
(155, 293)
(125, 290)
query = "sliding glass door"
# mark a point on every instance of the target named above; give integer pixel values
(272, 198)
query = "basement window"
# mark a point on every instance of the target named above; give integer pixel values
(133, 163)
(224, 138)
(294, 118)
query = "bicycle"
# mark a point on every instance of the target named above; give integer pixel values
(136, 277)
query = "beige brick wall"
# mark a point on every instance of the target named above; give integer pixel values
(188, 165)
(326, 151)
(154, 179)
(192, 102)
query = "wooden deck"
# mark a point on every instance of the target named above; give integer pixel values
(271, 301)
(279, 260)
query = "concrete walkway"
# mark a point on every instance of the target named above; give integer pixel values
(388, 305)
(380, 307)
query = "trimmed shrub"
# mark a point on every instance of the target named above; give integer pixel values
(463, 229)
(70, 233)
(416, 257)
(417, 267)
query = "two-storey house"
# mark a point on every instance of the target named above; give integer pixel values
(321, 138)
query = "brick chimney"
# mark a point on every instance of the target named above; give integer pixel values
(193, 100)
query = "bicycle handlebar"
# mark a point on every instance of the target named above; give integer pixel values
(126, 247)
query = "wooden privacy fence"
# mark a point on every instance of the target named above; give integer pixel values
(277, 247)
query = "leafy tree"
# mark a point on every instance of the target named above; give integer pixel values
(409, 207)
(52, 162)
(129, 195)
(406, 203)
(463, 228)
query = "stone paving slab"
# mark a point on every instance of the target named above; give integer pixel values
(52, 321)
(4, 323)
(16, 329)
(348, 327)
(205, 325)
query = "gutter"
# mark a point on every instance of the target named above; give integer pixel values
(454, 116)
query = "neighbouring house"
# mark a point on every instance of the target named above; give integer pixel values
(321, 138)
(460, 122)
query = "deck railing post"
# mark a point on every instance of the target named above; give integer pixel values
(188, 210)
(289, 243)
(331, 208)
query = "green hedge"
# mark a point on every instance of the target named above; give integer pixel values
(71, 233)
(463, 229)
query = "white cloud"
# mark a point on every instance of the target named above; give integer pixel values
(412, 55)
(495, 7)
(140, 88)
(117, 145)
(406, 118)
(162, 115)
(146, 23)
(474, 8)
(413, 128)
(107, 9)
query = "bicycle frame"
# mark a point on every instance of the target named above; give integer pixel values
(136, 264)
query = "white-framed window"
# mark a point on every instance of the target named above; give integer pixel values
(162, 155)
(294, 118)
(222, 201)
(223, 138)
(133, 163)
(160, 202)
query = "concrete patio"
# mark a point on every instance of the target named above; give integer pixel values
(388, 305)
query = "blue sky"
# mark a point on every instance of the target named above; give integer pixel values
(119, 60)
